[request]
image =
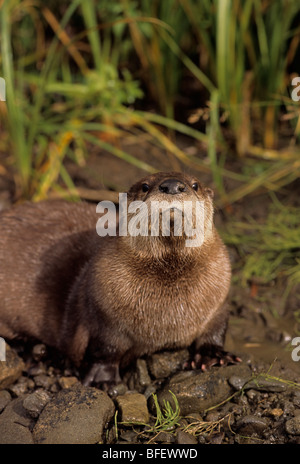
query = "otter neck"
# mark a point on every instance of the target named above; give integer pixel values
(161, 250)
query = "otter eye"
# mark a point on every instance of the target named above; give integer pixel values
(145, 187)
(195, 186)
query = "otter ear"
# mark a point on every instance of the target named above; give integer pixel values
(209, 192)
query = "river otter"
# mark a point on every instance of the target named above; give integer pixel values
(114, 298)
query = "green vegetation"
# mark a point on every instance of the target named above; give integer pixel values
(166, 419)
(81, 75)
(270, 248)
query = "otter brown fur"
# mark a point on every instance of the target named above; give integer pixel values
(111, 299)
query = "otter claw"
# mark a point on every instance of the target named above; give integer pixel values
(208, 359)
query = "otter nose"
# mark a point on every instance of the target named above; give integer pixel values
(172, 186)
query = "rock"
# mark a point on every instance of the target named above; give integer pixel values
(138, 379)
(165, 437)
(292, 426)
(197, 391)
(128, 436)
(119, 389)
(36, 370)
(166, 363)
(275, 412)
(5, 398)
(133, 408)
(217, 439)
(15, 424)
(67, 382)
(75, 415)
(143, 377)
(35, 402)
(150, 390)
(11, 369)
(184, 438)
(238, 381)
(260, 383)
(39, 351)
(250, 424)
(44, 381)
(20, 387)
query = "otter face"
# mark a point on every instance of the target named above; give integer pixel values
(171, 185)
(173, 205)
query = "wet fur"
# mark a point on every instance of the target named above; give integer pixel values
(109, 299)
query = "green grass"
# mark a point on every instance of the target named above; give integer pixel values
(166, 418)
(238, 51)
(268, 250)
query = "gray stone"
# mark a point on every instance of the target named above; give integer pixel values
(39, 351)
(197, 391)
(165, 437)
(20, 387)
(292, 426)
(11, 369)
(238, 381)
(166, 363)
(5, 398)
(143, 377)
(15, 424)
(45, 381)
(260, 383)
(250, 424)
(119, 389)
(35, 402)
(184, 438)
(75, 415)
(133, 408)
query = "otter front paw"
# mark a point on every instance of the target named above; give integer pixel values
(209, 356)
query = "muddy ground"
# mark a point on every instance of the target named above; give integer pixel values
(255, 401)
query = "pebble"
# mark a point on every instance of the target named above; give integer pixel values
(217, 439)
(119, 389)
(39, 351)
(10, 369)
(292, 426)
(139, 378)
(20, 387)
(43, 380)
(184, 438)
(165, 437)
(133, 408)
(261, 384)
(38, 369)
(128, 436)
(35, 402)
(67, 382)
(5, 398)
(143, 377)
(275, 412)
(250, 424)
(150, 390)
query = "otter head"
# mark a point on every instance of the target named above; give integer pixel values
(169, 210)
